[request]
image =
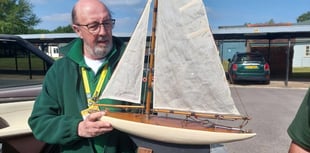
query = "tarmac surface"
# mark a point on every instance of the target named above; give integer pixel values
(299, 84)
(272, 108)
(291, 84)
(278, 84)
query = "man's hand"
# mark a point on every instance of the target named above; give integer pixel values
(92, 126)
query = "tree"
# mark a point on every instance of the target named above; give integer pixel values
(60, 29)
(38, 31)
(64, 29)
(271, 21)
(304, 17)
(17, 17)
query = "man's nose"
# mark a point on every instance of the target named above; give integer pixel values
(102, 30)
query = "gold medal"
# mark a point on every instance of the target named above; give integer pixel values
(89, 110)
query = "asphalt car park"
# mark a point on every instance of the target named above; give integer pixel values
(22, 74)
(272, 109)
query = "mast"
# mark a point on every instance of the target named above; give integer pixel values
(151, 61)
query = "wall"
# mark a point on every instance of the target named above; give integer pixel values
(301, 56)
(277, 59)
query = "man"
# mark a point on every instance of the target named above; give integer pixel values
(299, 130)
(71, 86)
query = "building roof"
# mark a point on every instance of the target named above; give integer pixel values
(262, 32)
(225, 32)
(59, 37)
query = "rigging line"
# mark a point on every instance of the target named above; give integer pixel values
(240, 100)
(146, 72)
(211, 124)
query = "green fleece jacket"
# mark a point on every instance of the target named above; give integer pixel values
(56, 112)
(299, 129)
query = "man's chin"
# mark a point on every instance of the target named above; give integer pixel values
(102, 53)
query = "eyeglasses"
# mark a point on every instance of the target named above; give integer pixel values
(94, 27)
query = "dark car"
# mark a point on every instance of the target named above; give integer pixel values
(249, 66)
(22, 69)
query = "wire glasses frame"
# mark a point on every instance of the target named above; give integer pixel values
(94, 27)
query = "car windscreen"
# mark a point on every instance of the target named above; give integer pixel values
(250, 57)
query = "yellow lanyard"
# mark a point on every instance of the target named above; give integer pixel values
(91, 100)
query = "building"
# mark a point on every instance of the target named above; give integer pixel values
(301, 57)
(275, 41)
(278, 42)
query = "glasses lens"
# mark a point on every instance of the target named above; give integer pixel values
(108, 24)
(93, 27)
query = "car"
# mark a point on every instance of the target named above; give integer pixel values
(22, 70)
(248, 66)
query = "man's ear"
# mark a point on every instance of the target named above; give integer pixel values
(77, 30)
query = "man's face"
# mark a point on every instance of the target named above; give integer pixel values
(94, 27)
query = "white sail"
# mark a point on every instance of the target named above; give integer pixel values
(126, 81)
(188, 72)
(188, 77)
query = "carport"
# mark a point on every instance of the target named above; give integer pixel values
(250, 32)
(269, 32)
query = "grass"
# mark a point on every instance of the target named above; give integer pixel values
(302, 72)
(225, 65)
(22, 63)
(18, 68)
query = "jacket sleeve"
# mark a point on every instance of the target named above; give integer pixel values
(47, 121)
(299, 129)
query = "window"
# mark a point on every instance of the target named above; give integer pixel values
(18, 66)
(22, 69)
(307, 51)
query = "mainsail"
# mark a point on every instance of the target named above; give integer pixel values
(189, 80)
(188, 72)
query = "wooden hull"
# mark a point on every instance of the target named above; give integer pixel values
(174, 131)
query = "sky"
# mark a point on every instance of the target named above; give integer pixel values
(54, 13)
